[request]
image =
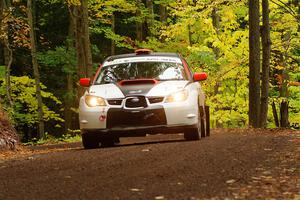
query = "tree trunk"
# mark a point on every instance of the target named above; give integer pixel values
(139, 23)
(254, 64)
(113, 28)
(86, 41)
(275, 115)
(163, 13)
(7, 51)
(68, 113)
(82, 40)
(69, 99)
(190, 35)
(30, 10)
(150, 17)
(216, 23)
(1, 12)
(283, 92)
(8, 59)
(297, 4)
(266, 48)
(284, 114)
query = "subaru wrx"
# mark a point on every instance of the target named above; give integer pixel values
(142, 93)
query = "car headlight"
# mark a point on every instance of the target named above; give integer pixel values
(93, 101)
(177, 96)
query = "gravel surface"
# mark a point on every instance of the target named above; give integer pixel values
(232, 164)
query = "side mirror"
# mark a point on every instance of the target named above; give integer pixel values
(200, 76)
(85, 82)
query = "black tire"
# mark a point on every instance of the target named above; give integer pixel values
(203, 121)
(109, 141)
(89, 140)
(207, 120)
(116, 140)
(194, 133)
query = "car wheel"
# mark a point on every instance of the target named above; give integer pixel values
(89, 140)
(194, 133)
(207, 120)
(203, 121)
(109, 141)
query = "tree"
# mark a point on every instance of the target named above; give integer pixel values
(25, 111)
(84, 55)
(163, 14)
(79, 15)
(266, 54)
(35, 65)
(5, 15)
(62, 63)
(139, 22)
(211, 35)
(285, 60)
(254, 64)
(150, 17)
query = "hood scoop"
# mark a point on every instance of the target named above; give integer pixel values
(138, 82)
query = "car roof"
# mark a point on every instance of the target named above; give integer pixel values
(130, 55)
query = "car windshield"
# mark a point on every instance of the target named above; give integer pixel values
(162, 71)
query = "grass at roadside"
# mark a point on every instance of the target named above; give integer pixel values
(49, 139)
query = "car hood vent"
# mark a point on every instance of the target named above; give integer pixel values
(137, 82)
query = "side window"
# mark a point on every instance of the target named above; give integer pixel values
(187, 69)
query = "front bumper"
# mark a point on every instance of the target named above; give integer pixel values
(156, 118)
(139, 131)
(123, 118)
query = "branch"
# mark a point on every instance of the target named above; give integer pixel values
(287, 6)
(289, 10)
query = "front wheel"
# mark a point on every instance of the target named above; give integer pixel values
(109, 141)
(203, 121)
(89, 140)
(207, 120)
(194, 133)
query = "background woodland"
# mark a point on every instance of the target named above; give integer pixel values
(47, 45)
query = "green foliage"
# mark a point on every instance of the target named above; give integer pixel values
(60, 62)
(24, 112)
(294, 101)
(2, 71)
(101, 19)
(49, 139)
(222, 50)
(219, 49)
(62, 57)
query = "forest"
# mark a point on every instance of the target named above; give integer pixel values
(249, 48)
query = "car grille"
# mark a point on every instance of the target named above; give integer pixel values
(118, 117)
(136, 102)
(115, 102)
(155, 99)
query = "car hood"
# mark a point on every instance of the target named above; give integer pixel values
(116, 91)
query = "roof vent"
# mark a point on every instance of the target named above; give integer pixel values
(143, 51)
(137, 82)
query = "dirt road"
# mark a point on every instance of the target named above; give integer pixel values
(233, 164)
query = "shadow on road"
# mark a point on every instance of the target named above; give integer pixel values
(125, 142)
(150, 142)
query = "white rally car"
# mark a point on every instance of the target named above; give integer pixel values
(142, 93)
